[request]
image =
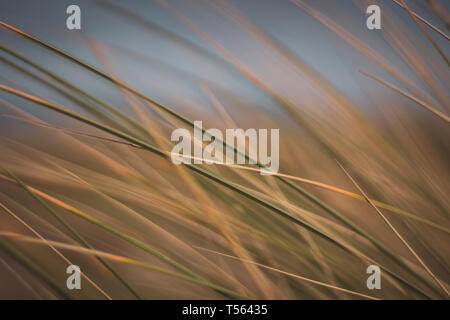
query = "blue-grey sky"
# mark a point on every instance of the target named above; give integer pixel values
(162, 66)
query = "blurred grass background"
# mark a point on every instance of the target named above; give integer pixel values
(92, 184)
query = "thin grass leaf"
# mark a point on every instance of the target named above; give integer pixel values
(409, 96)
(32, 267)
(396, 232)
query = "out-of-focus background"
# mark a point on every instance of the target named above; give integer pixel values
(372, 103)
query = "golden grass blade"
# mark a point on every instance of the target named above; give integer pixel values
(395, 231)
(291, 274)
(435, 45)
(440, 11)
(6, 209)
(409, 96)
(121, 259)
(423, 20)
(32, 267)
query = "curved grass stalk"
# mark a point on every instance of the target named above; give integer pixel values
(409, 96)
(435, 45)
(423, 20)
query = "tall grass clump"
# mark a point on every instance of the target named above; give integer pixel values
(86, 176)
